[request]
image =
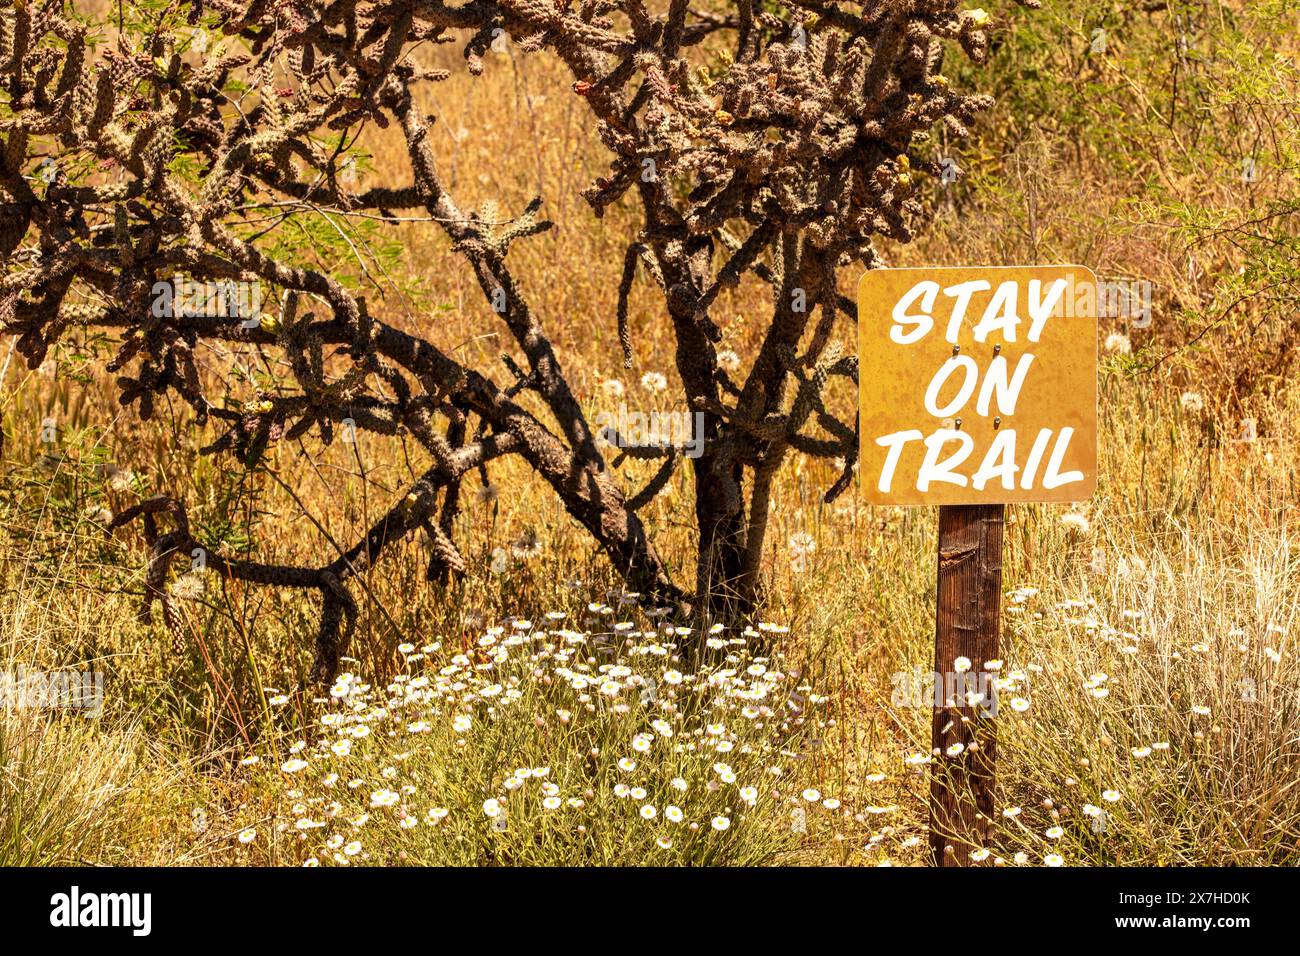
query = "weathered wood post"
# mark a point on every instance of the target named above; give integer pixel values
(967, 627)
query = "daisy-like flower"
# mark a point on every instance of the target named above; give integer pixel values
(190, 587)
(1200, 710)
(1141, 752)
(721, 823)
(384, 798)
(674, 813)
(641, 743)
(1192, 402)
(961, 665)
(1053, 859)
(461, 723)
(1119, 343)
(1054, 833)
(612, 387)
(1011, 812)
(728, 360)
(293, 765)
(248, 835)
(626, 764)
(664, 843)
(1075, 521)
(812, 795)
(654, 381)
(551, 803)
(353, 848)
(830, 803)
(801, 543)
(749, 795)
(1110, 796)
(980, 855)
(648, 812)
(436, 815)
(492, 808)
(1019, 705)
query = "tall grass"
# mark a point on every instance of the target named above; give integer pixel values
(1175, 588)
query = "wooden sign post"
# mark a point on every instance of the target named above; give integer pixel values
(977, 387)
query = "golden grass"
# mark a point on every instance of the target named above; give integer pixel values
(1180, 586)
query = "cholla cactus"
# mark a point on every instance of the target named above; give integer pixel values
(785, 161)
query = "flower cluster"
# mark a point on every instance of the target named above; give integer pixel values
(539, 743)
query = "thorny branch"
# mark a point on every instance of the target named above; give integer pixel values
(772, 140)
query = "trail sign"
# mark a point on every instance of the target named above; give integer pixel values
(978, 385)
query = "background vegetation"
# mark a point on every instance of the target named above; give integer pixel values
(1150, 630)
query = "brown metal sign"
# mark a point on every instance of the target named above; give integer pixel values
(978, 385)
